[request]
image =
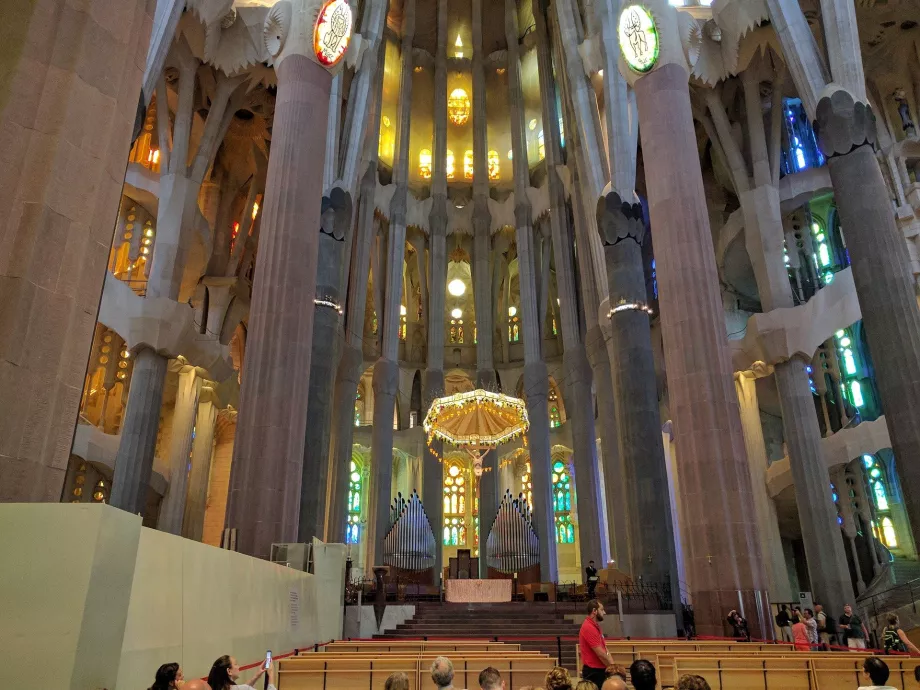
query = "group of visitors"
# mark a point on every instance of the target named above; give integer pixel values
(814, 630)
(224, 674)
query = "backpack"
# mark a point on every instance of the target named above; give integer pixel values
(892, 641)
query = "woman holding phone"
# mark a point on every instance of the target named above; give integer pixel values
(225, 672)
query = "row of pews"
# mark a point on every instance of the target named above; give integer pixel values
(366, 665)
(758, 666)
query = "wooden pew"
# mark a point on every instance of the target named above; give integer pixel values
(624, 652)
(321, 673)
(802, 671)
(445, 646)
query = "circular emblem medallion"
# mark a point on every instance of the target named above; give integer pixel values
(332, 32)
(638, 36)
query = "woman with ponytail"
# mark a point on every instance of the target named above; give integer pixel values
(168, 677)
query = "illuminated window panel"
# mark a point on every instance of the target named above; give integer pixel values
(451, 168)
(424, 164)
(468, 165)
(494, 166)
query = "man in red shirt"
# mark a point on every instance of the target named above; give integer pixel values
(594, 655)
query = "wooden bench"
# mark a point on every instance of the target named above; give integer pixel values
(397, 645)
(801, 671)
(304, 673)
(625, 652)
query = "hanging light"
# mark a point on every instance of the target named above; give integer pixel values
(456, 287)
(456, 313)
(512, 310)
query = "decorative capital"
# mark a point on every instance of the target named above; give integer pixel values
(320, 30)
(336, 214)
(618, 220)
(523, 214)
(843, 124)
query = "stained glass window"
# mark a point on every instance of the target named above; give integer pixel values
(494, 165)
(878, 488)
(355, 497)
(555, 418)
(468, 164)
(424, 164)
(562, 503)
(454, 506)
(527, 485)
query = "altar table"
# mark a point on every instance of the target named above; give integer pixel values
(467, 591)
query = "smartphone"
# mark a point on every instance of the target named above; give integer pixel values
(268, 660)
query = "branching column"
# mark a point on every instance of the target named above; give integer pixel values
(763, 233)
(432, 473)
(723, 554)
(592, 535)
(350, 369)
(265, 483)
(536, 377)
(386, 370)
(651, 538)
(482, 279)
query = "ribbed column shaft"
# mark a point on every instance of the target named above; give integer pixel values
(265, 483)
(327, 335)
(651, 537)
(724, 563)
(827, 563)
(180, 447)
(202, 448)
(536, 382)
(385, 383)
(134, 459)
(433, 475)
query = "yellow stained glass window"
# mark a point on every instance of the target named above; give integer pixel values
(424, 164)
(458, 107)
(468, 165)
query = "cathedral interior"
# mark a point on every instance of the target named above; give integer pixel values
(686, 236)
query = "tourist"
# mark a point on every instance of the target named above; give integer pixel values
(558, 679)
(784, 624)
(800, 634)
(739, 625)
(811, 629)
(642, 674)
(895, 640)
(491, 679)
(397, 681)
(225, 672)
(594, 657)
(167, 677)
(616, 683)
(586, 685)
(616, 670)
(824, 636)
(877, 670)
(591, 578)
(688, 682)
(854, 632)
(442, 673)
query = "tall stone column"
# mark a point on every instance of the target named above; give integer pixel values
(536, 377)
(327, 334)
(386, 370)
(265, 483)
(134, 459)
(202, 449)
(723, 555)
(592, 534)
(180, 447)
(652, 553)
(62, 173)
(349, 370)
(489, 495)
(881, 271)
(764, 507)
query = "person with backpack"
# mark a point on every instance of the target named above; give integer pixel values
(895, 640)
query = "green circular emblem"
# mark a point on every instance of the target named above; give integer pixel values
(638, 36)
